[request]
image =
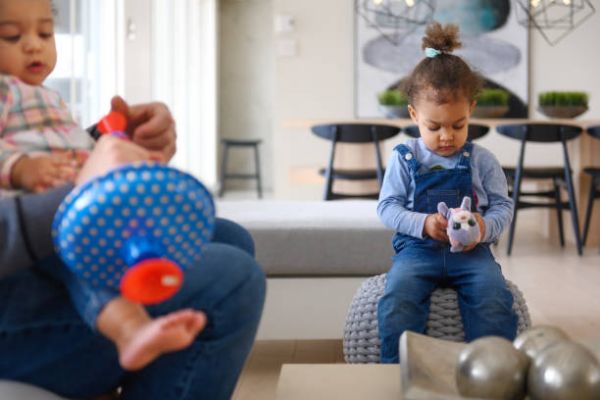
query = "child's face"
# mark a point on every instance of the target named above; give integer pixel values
(27, 47)
(443, 126)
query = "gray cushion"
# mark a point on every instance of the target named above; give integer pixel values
(314, 238)
(10, 390)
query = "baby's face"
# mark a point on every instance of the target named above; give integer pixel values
(27, 47)
(444, 127)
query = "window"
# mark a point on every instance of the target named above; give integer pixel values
(86, 73)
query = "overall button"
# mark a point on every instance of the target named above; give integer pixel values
(466, 154)
(408, 156)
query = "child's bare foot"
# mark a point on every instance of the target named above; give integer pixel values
(165, 334)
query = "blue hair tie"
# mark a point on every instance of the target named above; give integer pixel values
(431, 52)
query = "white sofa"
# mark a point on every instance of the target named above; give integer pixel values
(315, 255)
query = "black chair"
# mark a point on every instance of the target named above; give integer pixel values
(353, 133)
(560, 176)
(225, 174)
(594, 173)
(476, 131)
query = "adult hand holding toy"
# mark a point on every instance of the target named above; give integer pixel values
(136, 227)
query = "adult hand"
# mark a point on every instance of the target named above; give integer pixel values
(481, 224)
(111, 152)
(435, 227)
(150, 125)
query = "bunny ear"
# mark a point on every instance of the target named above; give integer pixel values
(443, 209)
(466, 203)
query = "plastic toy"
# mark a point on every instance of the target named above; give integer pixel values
(463, 229)
(135, 229)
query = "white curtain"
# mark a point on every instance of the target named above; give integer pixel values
(87, 71)
(184, 76)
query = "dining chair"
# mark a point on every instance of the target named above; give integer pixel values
(353, 133)
(594, 193)
(476, 131)
(561, 176)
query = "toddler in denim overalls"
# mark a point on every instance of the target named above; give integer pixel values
(442, 166)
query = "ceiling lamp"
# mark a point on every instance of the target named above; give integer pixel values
(554, 19)
(395, 19)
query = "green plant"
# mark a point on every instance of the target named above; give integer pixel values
(392, 97)
(492, 97)
(558, 99)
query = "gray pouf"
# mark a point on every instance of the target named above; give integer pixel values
(361, 333)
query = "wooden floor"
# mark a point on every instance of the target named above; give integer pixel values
(560, 287)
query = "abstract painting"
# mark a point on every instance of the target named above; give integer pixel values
(388, 37)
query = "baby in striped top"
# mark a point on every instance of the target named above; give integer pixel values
(41, 145)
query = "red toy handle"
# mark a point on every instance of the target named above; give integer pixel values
(114, 123)
(151, 281)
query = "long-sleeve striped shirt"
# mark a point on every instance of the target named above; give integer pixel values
(34, 120)
(489, 184)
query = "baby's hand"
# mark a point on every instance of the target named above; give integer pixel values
(481, 223)
(435, 227)
(43, 172)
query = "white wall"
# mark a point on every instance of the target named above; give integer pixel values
(246, 82)
(318, 84)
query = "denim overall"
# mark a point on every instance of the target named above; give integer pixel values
(422, 265)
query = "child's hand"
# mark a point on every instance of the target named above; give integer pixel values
(481, 223)
(43, 172)
(435, 227)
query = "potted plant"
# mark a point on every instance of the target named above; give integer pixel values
(557, 104)
(392, 103)
(491, 103)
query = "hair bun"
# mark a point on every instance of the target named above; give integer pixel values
(442, 38)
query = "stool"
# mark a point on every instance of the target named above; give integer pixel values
(227, 144)
(361, 333)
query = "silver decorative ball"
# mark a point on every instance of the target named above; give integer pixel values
(537, 338)
(492, 368)
(564, 370)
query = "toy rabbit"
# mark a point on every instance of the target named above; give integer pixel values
(463, 228)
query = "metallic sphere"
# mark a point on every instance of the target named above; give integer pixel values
(565, 370)
(492, 368)
(537, 338)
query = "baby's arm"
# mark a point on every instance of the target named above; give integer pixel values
(42, 172)
(499, 213)
(393, 199)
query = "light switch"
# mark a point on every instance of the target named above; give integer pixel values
(287, 47)
(284, 24)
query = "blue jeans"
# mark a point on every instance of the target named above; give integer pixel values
(45, 342)
(418, 268)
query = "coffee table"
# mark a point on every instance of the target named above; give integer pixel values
(339, 381)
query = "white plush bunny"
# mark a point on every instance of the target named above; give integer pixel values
(463, 228)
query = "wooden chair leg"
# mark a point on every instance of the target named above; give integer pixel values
(559, 210)
(589, 209)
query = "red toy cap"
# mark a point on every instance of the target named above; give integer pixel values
(151, 281)
(114, 121)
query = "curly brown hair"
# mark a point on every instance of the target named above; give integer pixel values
(445, 76)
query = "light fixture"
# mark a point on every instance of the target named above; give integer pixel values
(395, 19)
(554, 19)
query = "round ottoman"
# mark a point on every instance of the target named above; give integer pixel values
(361, 334)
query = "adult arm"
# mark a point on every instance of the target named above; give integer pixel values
(149, 125)
(25, 225)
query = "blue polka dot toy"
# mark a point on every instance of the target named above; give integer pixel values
(135, 229)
